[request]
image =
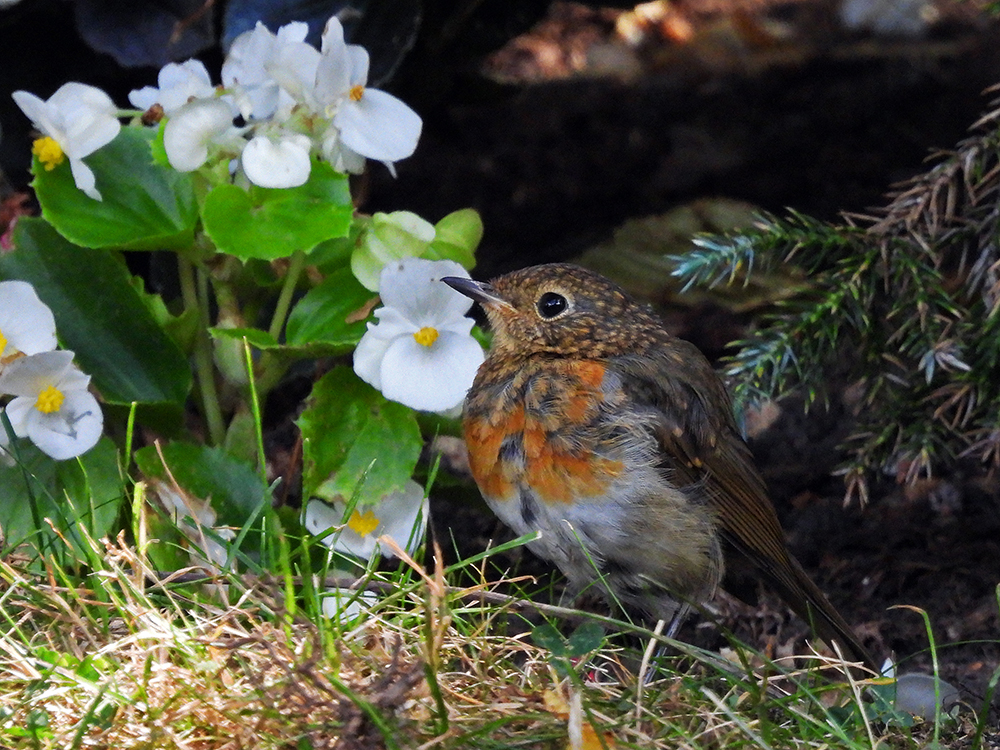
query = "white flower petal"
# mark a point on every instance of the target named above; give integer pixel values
(391, 323)
(18, 411)
(351, 543)
(346, 605)
(79, 97)
(389, 357)
(413, 287)
(84, 178)
(379, 126)
(403, 516)
(333, 37)
(368, 356)
(178, 83)
(358, 62)
(90, 134)
(76, 424)
(145, 97)
(29, 375)
(27, 325)
(430, 378)
(319, 517)
(348, 161)
(283, 163)
(188, 133)
(246, 68)
(35, 110)
(80, 118)
(293, 67)
(293, 33)
(84, 116)
(371, 349)
(71, 431)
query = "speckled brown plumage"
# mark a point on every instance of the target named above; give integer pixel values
(590, 423)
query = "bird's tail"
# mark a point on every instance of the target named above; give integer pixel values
(811, 604)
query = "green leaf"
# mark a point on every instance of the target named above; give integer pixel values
(352, 434)
(274, 223)
(585, 639)
(86, 490)
(456, 238)
(265, 342)
(182, 328)
(144, 206)
(99, 315)
(233, 487)
(259, 339)
(333, 313)
(548, 637)
(386, 238)
(332, 255)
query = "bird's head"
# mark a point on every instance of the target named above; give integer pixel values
(558, 309)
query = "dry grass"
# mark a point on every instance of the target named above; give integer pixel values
(127, 661)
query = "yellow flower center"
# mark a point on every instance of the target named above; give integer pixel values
(363, 524)
(356, 93)
(49, 153)
(3, 343)
(426, 336)
(49, 400)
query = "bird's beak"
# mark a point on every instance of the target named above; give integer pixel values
(477, 290)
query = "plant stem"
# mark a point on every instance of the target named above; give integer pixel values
(295, 265)
(204, 372)
(271, 366)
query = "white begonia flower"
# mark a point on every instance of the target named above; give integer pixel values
(75, 121)
(26, 323)
(421, 352)
(179, 83)
(193, 516)
(399, 515)
(339, 156)
(293, 67)
(248, 65)
(346, 605)
(281, 162)
(194, 128)
(369, 122)
(52, 405)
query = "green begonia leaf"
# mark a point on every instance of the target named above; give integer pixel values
(354, 440)
(333, 314)
(144, 206)
(234, 488)
(456, 238)
(275, 223)
(99, 315)
(86, 490)
(258, 339)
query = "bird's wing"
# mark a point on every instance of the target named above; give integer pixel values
(701, 446)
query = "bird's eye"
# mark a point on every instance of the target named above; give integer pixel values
(551, 305)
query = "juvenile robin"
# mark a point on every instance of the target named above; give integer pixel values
(591, 424)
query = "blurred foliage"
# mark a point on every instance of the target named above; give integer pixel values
(904, 303)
